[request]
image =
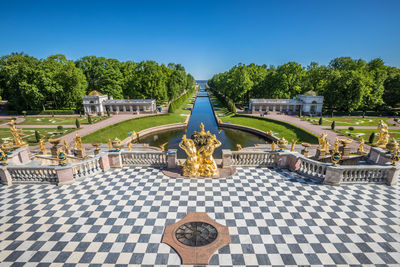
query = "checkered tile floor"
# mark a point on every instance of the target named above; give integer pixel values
(274, 218)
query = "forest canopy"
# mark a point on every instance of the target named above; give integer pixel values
(347, 84)
(56, 82)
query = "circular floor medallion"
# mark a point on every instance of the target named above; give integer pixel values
(196, 234)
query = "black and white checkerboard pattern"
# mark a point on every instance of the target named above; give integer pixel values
(274, 218)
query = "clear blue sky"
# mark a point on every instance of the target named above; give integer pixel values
(206, 37)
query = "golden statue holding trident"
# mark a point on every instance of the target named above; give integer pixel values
(191, 166)
(17, 138)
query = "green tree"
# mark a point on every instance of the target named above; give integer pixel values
(37, 136)
(333, 124)
(89, 118)
(392, 91)
(77, 123)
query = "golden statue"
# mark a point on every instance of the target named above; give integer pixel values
(361, 147)
(270, 133)
(326, 147)
(336, 145)
(42, 147)
(109, 144)
(239, 147)
(66, 148)
(283, 143)
(208, 166)
(163, 146)
(17, 138)
(130, 146)
(293, 144)
(383, 137)
(191, 166)
(273, 145)
(322, 142)
(78, 142)
(133, 134)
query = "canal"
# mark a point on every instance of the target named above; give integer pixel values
(203, 113)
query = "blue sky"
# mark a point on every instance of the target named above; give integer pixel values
(206, 37)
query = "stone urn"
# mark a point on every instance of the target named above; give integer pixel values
(305, 151)
(345, 142)
(97, 149)
(55, 142)
(116, 143)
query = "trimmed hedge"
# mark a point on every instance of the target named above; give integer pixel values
(177, 103)
(51, 112)
(226, 101)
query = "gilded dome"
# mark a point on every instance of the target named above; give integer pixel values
(95, 93)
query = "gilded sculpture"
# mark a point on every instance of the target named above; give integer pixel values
(18, 142)
(322, 142)
(109, 144)
(383, 137)
(66, 148)
(361, 147)
(239, 147)
(200, 149)
(293, 145)
(78, 142)
(273, 145)
(42, 147)
(283, 143)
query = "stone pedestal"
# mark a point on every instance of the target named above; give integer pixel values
(171, 158)
(115, 159)
(345, 152)
(55, 150)
(65, 175)
(305, 152)
(226, 158)
(333, 176)
(393, 175)
(19, 156)
(320, 154)
(5, 176)
(104, 162)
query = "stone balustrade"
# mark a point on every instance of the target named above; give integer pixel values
(36, 174)
(87, 167)
(253, 158)
(323, 172)
(312, 168)
(144, 158)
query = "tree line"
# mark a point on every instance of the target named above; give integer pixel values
(56, 82)
(347, 84)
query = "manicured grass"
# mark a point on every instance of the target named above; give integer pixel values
(347, 121)
(288, 131)
(122, 129)
(280, 129)
(28, 135)
(357, 134)
(59, 120)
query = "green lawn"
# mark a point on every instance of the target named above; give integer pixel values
(28, 135)
(122, 129)
(2, 121)
(59, 120)
(280, 129)
(357, 134)
(347, 121)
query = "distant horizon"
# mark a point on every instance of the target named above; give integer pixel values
(206, 37)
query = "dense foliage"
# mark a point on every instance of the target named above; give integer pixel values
(177, 103)
(346, 84)
(59, 83)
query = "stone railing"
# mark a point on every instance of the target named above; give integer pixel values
(323, 172)
(144, 158)
(85, 168)
(33, 174)
(253, 158)
(311, 168)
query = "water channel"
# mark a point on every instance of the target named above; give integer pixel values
(203, 113)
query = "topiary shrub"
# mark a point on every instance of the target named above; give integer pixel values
(108, 113)
(60, 128)
(371, 138)
(333, 125)
(89, 119)
(351, 128)
(77, 123)
(320, 121)
(37, 136)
